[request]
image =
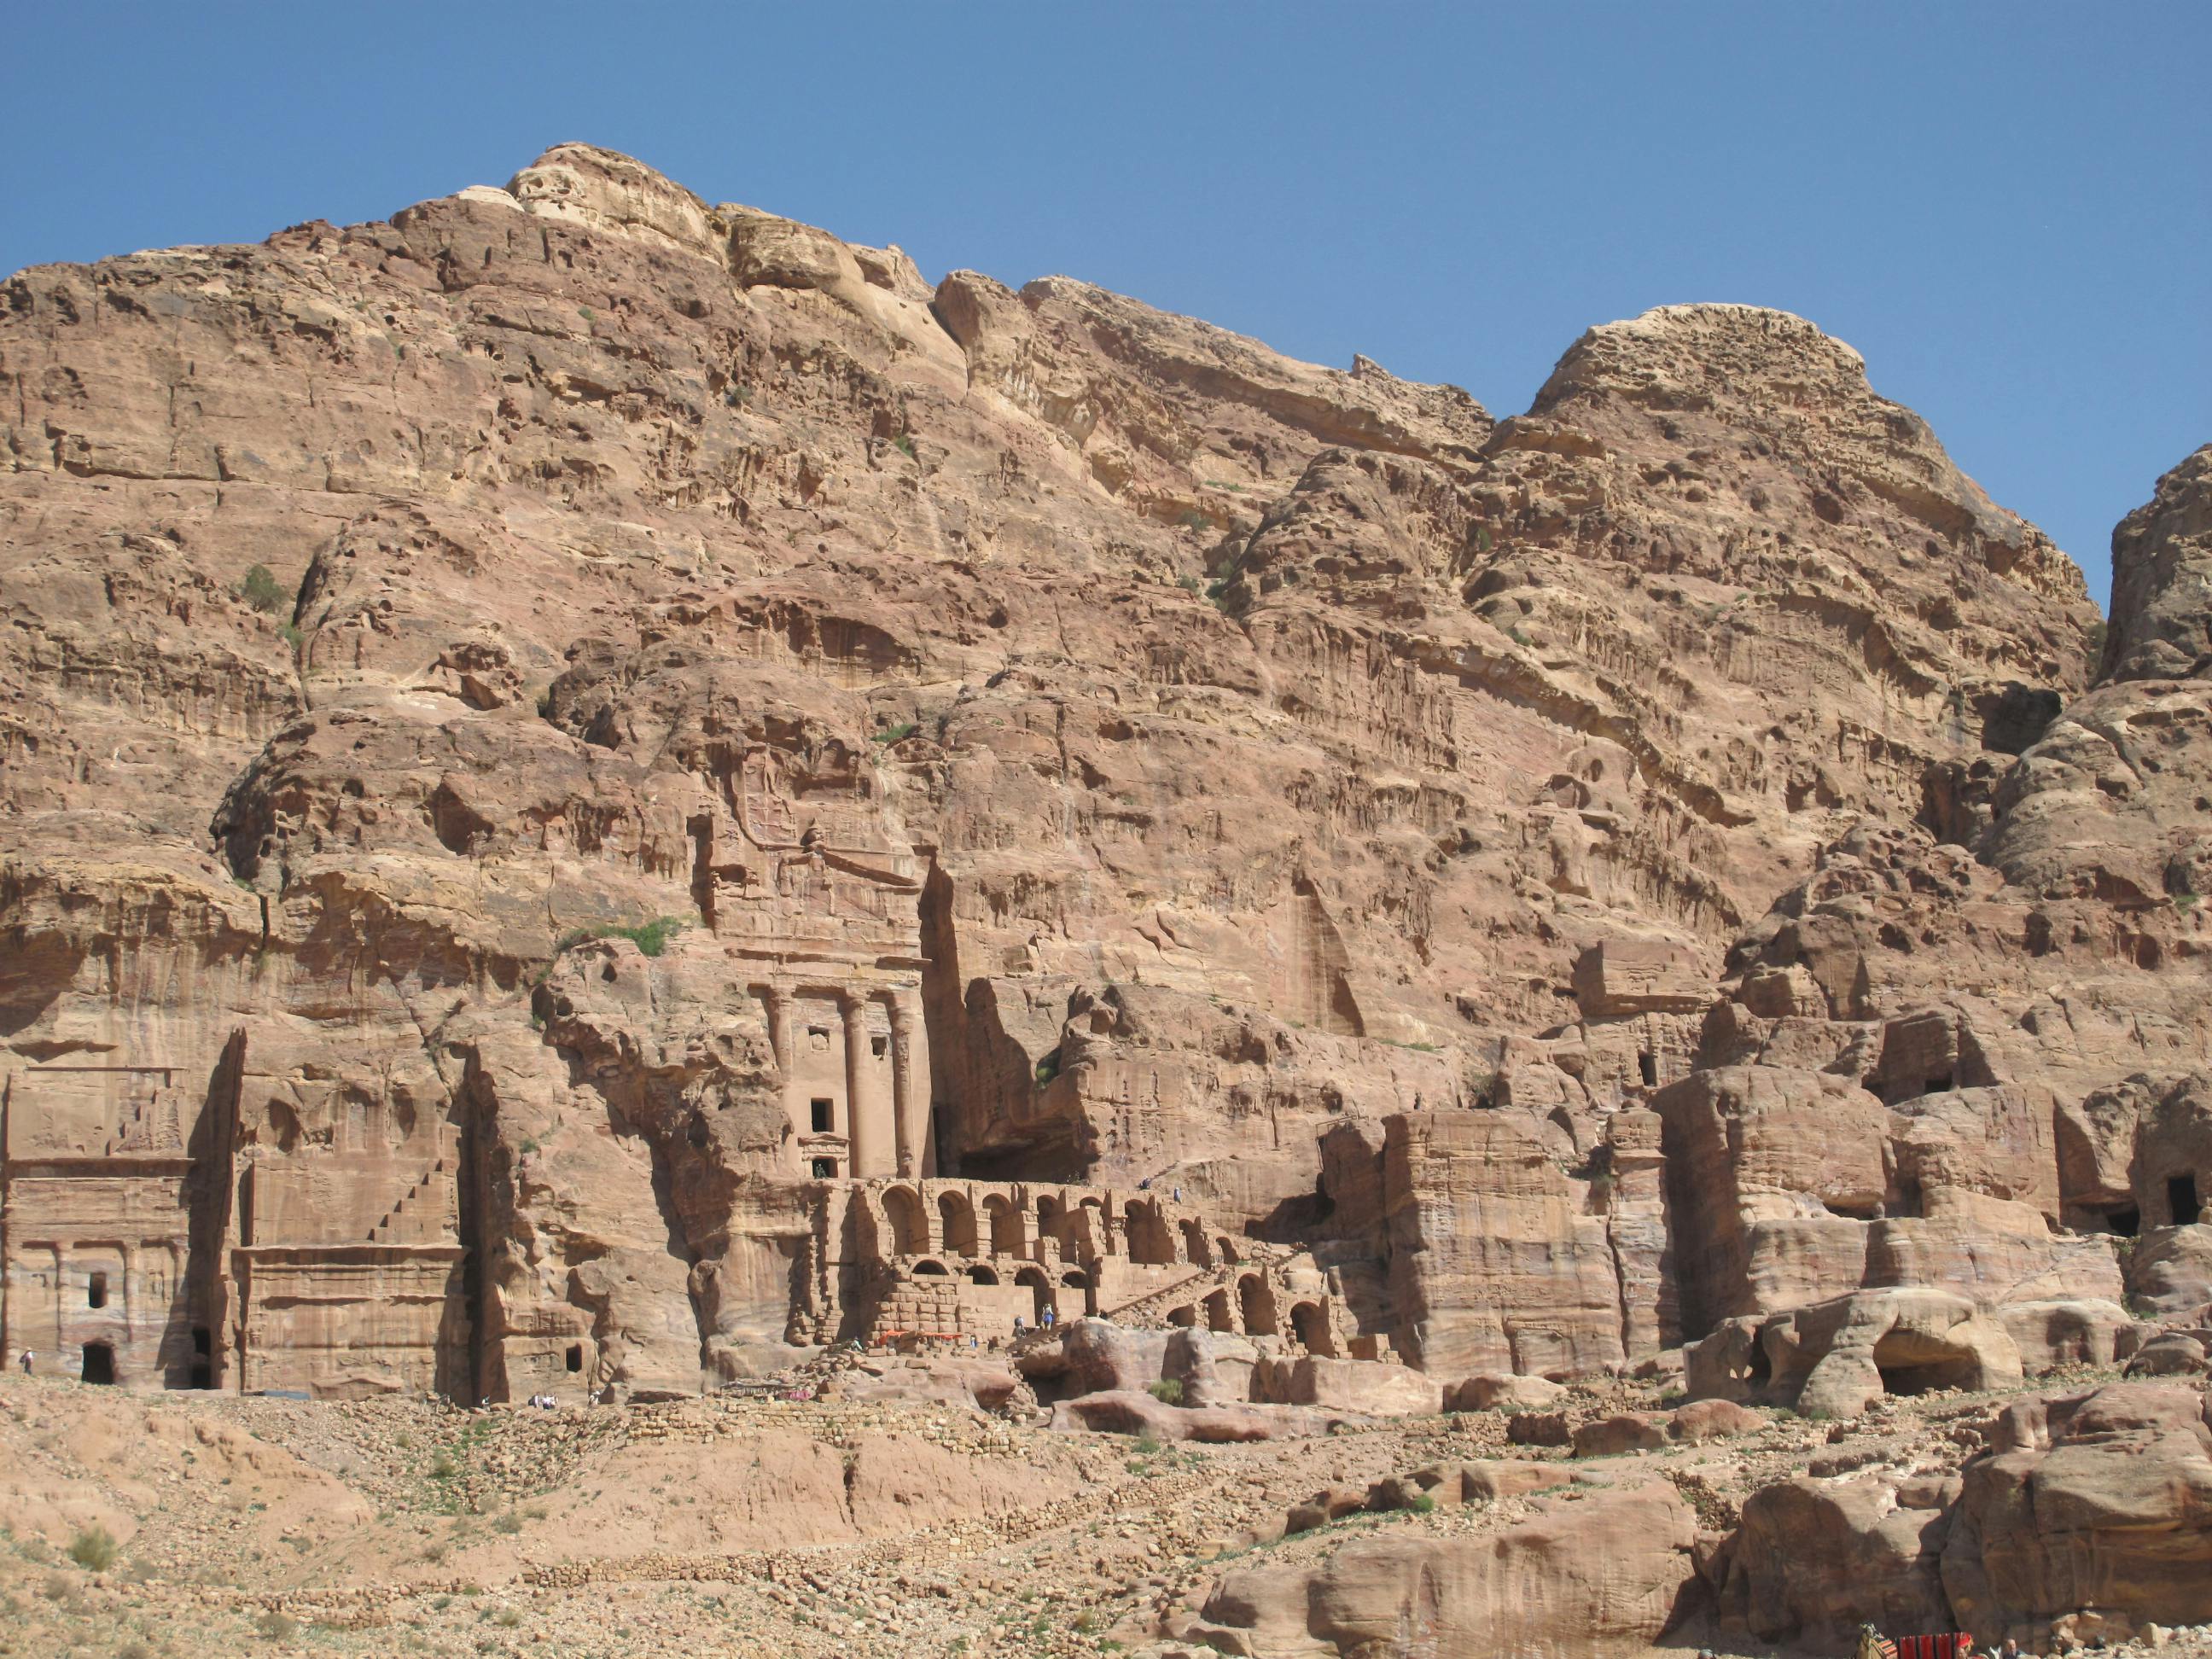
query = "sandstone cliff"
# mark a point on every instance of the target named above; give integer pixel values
(538, 732)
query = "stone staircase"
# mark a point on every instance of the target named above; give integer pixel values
(388, 1232)
(1149, 1310)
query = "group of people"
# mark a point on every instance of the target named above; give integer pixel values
(544, 1402)
(1047, 1318)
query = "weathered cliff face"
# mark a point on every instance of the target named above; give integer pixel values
(1056, 741)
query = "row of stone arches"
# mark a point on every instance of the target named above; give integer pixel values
(1004, 1228)
(1043, 1293)
(1249, 1308)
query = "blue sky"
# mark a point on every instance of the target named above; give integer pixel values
(2006, 207)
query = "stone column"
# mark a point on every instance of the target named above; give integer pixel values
(777, 1005)
(868, 1129)
(912, 1126)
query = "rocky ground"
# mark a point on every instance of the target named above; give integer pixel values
(761, 1525)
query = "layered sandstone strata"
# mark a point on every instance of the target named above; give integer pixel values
(541, 732)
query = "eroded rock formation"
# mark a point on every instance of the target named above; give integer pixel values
(586, 778)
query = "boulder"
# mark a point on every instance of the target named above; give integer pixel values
(1371, 1388)
(1488, 1479)
(2171, 1354)
(1095, 1356)
(1124, 1411)
(1712, 1419)
(2097, 1501)
(1488, 1391)
(2050, 1334)
(1607, 1575)
(987, 1383)
(1330, 1504)
(1214, 1367)
(1814, 1559)
(1626, 1431)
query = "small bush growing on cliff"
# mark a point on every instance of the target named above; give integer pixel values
(1048, 1068)
(650, 936)
(94, 1549)
(1424, 1505)
(895, 734)
(259, 589)
(1168, 1391)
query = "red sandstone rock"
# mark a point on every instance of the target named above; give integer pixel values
(1651, 862)
(1601, 1575)
(2107, 1503)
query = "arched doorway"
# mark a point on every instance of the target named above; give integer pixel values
(1309, 1320)
(1052, 1219)
(1005, 1224)
(1218, 1314)
(1195, 1248)
(980, 1274)
(909, 1224)
(1150, 1242)
(99, 1363)
(958, 1216)
(1040, 1290)
(1085, 1293)
(1257, 1304)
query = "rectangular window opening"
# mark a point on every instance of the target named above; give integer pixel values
(96, 1292)
(825, 1169)
(575, 1357)
(826, 1117)
(878, 1045)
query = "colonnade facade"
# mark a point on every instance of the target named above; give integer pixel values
(855, 1063)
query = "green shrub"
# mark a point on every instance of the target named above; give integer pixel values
(1424, 1505)
(896, 733)
(259, 589)
(1048, 1068)
(510, 1523)
(277, 1626)
(94, 1549)
(905, 444)
(650, 936)
(1147, 1446)
(1168, 1391)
